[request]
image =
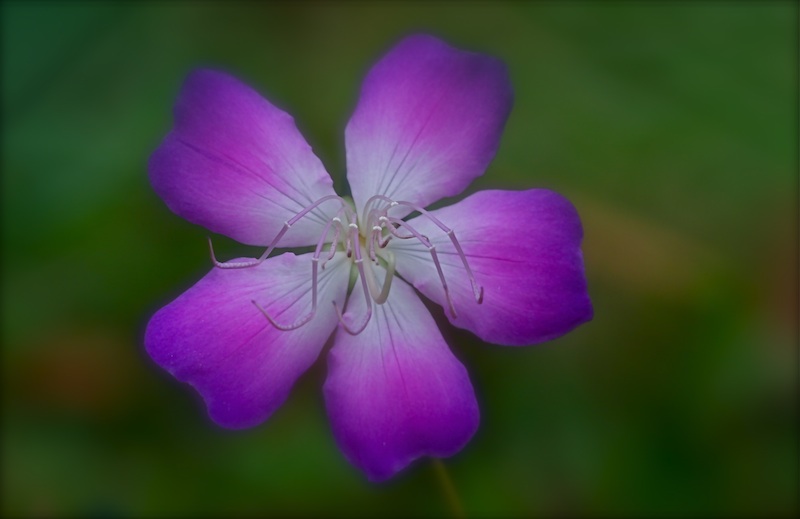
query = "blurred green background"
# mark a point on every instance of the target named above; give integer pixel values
(671, 125)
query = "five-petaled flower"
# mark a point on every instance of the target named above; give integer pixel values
(505, 265)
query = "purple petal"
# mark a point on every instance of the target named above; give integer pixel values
(428, 122)
(214, 338)
(396, 392)
(524, 248)
(237, 165)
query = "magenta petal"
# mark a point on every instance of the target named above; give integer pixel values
(524, 248)
(395, 392)
(428, 122)
(214, 338)
(237, 165)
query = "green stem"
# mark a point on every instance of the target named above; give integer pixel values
(450, 494)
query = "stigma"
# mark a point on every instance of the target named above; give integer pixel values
(364, 238)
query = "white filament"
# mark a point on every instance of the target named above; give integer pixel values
(378, 230)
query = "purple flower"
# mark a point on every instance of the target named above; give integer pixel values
(505, 265)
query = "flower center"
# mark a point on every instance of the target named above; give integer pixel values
(365, 242)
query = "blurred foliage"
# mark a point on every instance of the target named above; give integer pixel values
(671, 125)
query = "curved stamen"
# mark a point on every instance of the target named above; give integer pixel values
(393, 231)
(434, 256)
(359, 261)
(283, 327)
(373, 239)
(477, 290)
(381, 296)
(314, 270)
(368, 210)
(286, 226)
(395, 234)
(335, 242)
(309, 316)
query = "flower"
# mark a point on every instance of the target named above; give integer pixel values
(506, 265)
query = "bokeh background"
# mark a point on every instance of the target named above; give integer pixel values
(672, 126)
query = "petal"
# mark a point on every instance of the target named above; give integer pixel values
(237, 165)
(428, 122)
(524, 249)
(214, 338)
(395, 392)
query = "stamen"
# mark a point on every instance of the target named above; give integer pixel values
(314, 264)
(335, 242)
(432, 249)
(286, 226)
(281, 327)
(352, 243)
(477, 290)
(359, 261)
(393, 231)
(309, 316)
(381, 296)
(374, 238)
(384, 221)
(368, 209)
(332, 249)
